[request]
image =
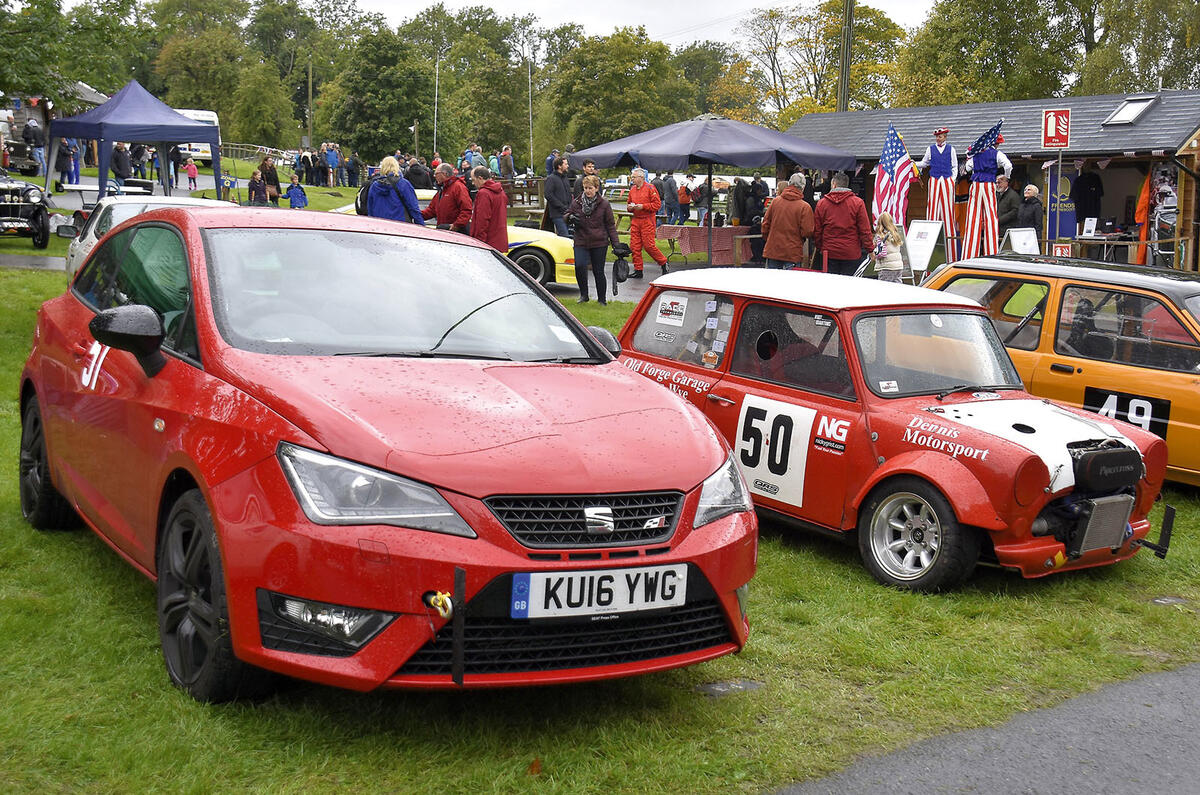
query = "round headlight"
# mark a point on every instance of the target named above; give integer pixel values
(34, 196)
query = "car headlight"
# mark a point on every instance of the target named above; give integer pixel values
(333, 491)
(723, 493)
(34, 196)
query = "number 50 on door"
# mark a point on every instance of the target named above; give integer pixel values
(772, 447)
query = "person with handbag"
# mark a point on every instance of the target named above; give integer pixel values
(595, 227)
(271, 177)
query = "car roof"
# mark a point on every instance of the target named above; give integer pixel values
(165, 201)
(231, 216)
(812, 288)
(1179, 285)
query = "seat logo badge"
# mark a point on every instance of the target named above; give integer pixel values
(599, 519)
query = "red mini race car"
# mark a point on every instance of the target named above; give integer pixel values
(895, 411)
(366, 454)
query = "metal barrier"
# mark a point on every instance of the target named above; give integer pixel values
(253, 152)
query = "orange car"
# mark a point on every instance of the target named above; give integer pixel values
(1121, 340)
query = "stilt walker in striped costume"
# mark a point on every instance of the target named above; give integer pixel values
(942, 161)
(984, 161)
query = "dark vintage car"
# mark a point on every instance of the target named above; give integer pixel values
(23, 210)
(20, 157)
(1119, 340)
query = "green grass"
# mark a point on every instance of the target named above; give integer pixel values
(847, 668)
(15, 244)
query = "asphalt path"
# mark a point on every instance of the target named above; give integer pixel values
(1141, 736)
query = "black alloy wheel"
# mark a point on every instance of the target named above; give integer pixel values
(41, 504)
(193, 615)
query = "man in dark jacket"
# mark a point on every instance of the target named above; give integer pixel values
(507, 169)
(120, 166)
(670, 197)
(589, 169)
(737, 209)
(489, 220)
(451, 205)
(32, 135)
(558, 197)
(1007, 205)
(841, 227)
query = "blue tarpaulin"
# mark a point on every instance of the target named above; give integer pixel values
(133, 114)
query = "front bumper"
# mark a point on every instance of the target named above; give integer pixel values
(1039, 556)
(269, 545)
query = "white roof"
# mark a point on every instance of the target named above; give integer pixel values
(813, 288)
(165, 201)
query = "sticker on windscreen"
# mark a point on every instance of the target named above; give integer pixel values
(936, 321)
(564, 334)
(671, 310)
(889, 386)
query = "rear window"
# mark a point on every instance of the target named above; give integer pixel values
(687, 327)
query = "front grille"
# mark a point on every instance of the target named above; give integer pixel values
(1106, 521)
(561, 521)
(10, 203)
(505, 645)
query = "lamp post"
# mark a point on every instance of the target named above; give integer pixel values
(437, 68)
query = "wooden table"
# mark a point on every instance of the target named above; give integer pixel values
(694, 240)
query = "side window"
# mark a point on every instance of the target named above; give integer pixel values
(96, 283)
(792, 348)
(1016, 307)
(154, 272)
(104, 222)
(687, 327)
(1129, 328)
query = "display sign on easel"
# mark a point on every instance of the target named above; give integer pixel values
(923, 236)
(1089, 227)
(1022, 240)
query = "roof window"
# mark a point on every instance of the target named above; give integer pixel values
(1131, 109)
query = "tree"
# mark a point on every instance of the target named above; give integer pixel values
(968, 52)
(202, 70)
(702, 64)
(262, 109)
(32, 42)
(616, 86)
(737, 93)
(372, 104)
(799, 50)
(106, 45)
(1142, 45)
(173, 17)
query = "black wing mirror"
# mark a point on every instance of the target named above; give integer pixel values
(606, 339)
(135, 328)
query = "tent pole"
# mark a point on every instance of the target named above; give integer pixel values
(708, 191)
(50, 163)
(164, 175)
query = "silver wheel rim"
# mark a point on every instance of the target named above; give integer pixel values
(534, 265)
(906, 536)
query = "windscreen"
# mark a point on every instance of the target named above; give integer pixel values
(929, 352)
(319, 292)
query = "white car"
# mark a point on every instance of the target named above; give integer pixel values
(113, 210)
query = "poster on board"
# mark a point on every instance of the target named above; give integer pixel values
(1022, 240)
(923, 237)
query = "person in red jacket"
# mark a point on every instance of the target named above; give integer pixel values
(841, 228)
(787, 226)
(489, 220)
(451, 205)
(643, 203)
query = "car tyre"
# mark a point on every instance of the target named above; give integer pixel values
(910, 538)
(41, 504)
(193, 613)
(41, 229)
(538, 264)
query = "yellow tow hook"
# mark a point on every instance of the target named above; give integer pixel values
(441, 602)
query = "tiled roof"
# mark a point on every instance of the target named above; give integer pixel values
(1166, 125)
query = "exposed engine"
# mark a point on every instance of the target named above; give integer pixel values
(1095, 515)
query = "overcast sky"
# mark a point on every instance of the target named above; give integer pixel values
(671, 22)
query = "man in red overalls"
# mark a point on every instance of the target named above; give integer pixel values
(643, 203)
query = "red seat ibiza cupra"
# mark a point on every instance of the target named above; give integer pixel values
(370, 455)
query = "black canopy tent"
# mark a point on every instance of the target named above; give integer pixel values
(710, 139)
(133, 114)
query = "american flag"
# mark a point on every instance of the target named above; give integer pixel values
(986, 140)
(893, 178)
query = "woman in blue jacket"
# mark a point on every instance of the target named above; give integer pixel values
(392, 196)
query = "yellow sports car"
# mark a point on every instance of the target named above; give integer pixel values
(1120, 340)
(543, 255)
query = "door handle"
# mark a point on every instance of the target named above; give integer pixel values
(1061, 368)
(722, 400)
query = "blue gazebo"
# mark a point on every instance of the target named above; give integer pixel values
(133, 114)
